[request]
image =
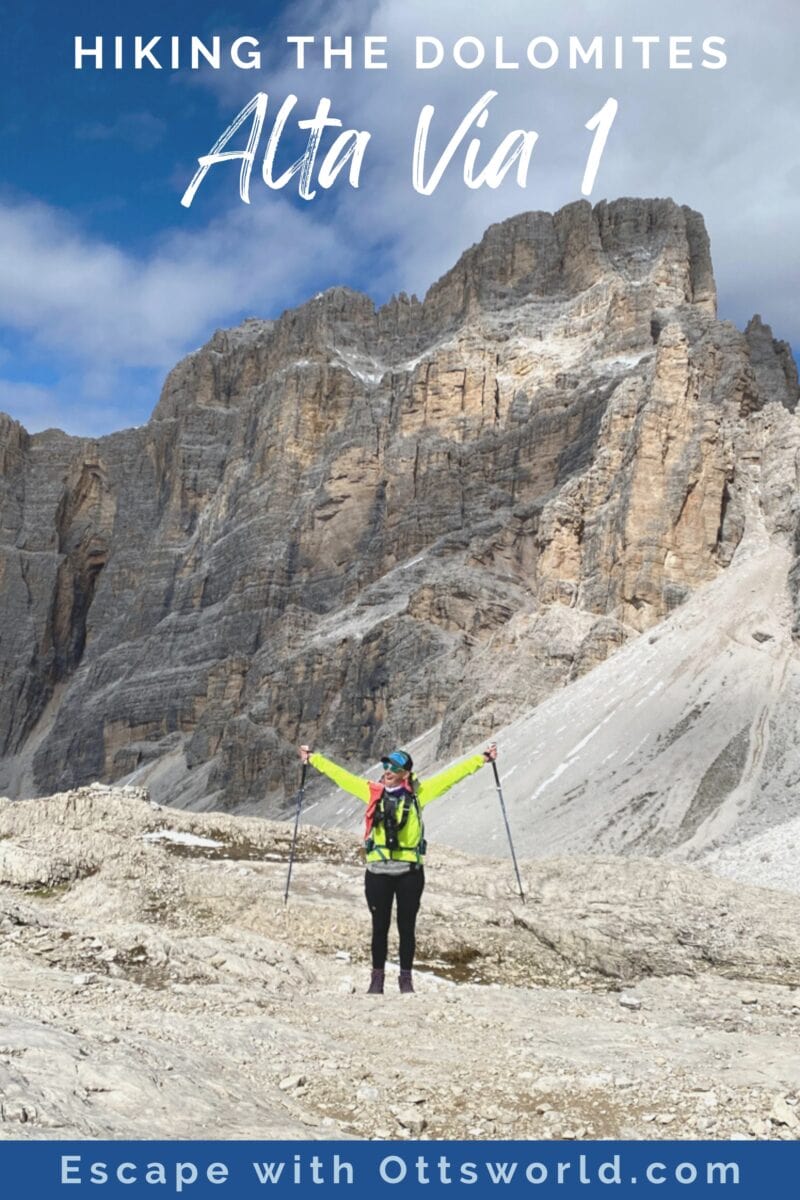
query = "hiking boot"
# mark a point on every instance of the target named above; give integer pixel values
(376, 983)
(405, 981)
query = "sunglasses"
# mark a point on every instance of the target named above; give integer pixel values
(396, 762)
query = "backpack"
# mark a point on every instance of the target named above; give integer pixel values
(382, 809)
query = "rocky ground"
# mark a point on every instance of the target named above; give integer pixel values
(155, 985)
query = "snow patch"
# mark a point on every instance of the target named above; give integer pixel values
(367, 369)
(621, 361)
(178, 837)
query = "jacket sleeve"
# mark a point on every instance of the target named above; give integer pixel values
(343, 779)
(429, 789)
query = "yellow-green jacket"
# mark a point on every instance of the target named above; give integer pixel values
(410, 835)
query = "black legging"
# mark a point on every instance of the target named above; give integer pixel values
(380, 891)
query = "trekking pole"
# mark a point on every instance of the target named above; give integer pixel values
(508, 829)
(294, 835)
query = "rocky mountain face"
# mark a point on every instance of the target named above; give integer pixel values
(682, 744)
(351, 526)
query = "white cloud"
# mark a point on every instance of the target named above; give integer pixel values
(722, 141)
(34, 406)
(92, 300)
(81, 402)
(101, 317)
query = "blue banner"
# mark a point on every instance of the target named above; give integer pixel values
(48, 1170)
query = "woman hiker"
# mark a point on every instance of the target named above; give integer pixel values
(395, 844)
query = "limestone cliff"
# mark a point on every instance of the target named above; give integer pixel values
(349, 525)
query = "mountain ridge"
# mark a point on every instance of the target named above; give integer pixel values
(550, 444)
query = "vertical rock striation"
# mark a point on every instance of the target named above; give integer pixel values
(353, 524)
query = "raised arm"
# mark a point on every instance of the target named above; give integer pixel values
(342, 778)
(429, 789)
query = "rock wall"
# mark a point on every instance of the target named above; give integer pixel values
(350, 524)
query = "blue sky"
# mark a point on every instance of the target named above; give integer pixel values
(106, 280)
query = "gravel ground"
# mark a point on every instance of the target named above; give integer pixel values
(158, 987)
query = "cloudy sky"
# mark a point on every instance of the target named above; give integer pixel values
(106, 279)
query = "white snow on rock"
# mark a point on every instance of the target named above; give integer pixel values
(180, 838)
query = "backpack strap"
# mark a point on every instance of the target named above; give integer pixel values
(421, 845)
(376, 791)
(375, 796)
